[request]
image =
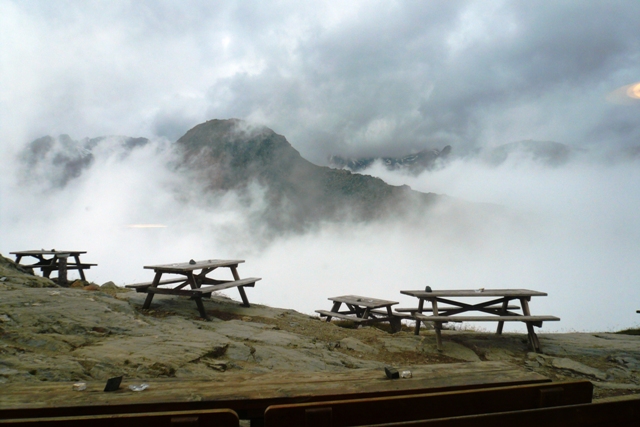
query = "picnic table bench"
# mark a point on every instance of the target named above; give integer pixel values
(363, 310)
(496, 309)
(57, 261)
(200, 286)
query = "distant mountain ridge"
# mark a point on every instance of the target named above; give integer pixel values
(413, 163)
(58, 160)
(231, 154)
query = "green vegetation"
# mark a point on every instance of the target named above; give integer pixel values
(632, 331)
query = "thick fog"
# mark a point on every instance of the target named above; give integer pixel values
(570, 231)
(353, 79)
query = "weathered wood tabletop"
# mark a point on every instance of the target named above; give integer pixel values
(250, 394)
(183, 267)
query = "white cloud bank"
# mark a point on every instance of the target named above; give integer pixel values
(571, 232)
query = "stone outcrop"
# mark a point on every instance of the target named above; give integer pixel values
(49, 333)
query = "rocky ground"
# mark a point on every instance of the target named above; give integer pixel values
(51, 333)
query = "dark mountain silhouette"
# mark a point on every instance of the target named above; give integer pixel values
(232, 154)
(413, 163)
(58, 160)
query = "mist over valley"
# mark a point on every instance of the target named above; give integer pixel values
(234, 189)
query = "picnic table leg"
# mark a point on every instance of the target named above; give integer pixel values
(533, 338)
(156, 281)
(438, 327)
(200, 305)
(46, 272)
(335, 308)
(191, 280)
(418, 321)
(243, 295)
(80, 270)
(394, 321)
(505, 304)
(62, 270)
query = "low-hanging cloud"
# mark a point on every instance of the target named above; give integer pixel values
(570, 231)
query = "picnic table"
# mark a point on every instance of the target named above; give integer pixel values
(54, 260)
(495, 309)
(363, 310)
(187, 277)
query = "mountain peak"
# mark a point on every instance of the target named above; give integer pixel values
(231, 154)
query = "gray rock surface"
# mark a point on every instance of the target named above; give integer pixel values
(49, 333)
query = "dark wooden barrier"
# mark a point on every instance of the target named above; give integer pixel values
(358, 412)
(622, 412)
(211, 417)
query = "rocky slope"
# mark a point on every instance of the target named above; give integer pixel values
(49, 333)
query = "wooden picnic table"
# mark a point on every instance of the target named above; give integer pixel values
(495, 308)
(54, 260)
(187, 277)
(251, 393)
(363, 310)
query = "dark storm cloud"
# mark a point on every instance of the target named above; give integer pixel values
(363, 78)
(416, 75)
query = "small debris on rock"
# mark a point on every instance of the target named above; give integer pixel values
(392, 373)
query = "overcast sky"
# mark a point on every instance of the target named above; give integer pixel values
(334, 77)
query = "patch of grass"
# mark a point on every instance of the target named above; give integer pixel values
(632, 331)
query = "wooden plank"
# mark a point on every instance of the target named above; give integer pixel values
(250, 281)
(363, 301)
(352, 317)
(445, 308)
(394, 313)
(46, 252)
(623, 412)
(170, 291)
(516, 293)
(209, 417)
(497, 318)
(356, 412)
(197, 265)
(69, 266)
(162, 282)
(252, 393)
